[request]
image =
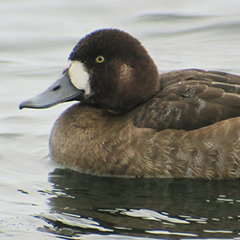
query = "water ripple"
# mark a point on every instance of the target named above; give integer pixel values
(152, 215)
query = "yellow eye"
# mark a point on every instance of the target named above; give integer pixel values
(99, 59)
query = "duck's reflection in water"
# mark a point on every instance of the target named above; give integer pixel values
(84, 204)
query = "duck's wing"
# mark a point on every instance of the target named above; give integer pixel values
(191, 99)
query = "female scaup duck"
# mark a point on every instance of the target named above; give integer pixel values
(131, 121)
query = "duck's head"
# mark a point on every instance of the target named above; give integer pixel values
(108, 69)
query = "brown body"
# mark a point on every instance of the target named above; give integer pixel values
(114, 146)
(92, 140)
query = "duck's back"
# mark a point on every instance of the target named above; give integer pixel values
(191, 99)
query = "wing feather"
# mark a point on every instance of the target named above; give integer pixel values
(191, 99)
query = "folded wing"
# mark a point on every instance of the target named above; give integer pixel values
(191, 99)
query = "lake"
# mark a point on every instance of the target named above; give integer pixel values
(41, 200)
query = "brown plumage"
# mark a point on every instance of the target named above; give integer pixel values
(191, 99)
(131, 121)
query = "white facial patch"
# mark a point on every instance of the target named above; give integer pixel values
(79, 76)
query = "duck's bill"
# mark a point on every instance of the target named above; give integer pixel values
(62, 90)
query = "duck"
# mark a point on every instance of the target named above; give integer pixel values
(129, 120)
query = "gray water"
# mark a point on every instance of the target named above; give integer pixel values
(38, 199)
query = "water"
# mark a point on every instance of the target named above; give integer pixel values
(39, 200)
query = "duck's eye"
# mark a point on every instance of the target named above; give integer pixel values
(99, 59)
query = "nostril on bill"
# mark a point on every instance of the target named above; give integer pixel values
(56, 88)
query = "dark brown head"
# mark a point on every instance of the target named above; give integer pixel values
(108, 69)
